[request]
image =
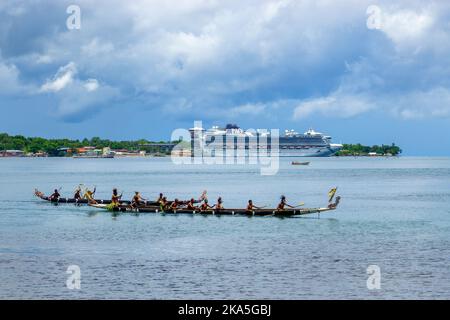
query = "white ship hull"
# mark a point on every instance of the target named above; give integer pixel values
(310, 152)
(305, 152)
(233, 141)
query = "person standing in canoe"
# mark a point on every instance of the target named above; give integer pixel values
(283, 203)
(55, 196)
(161, 196)
(137, 199)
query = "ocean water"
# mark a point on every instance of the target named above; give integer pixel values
(395, 214)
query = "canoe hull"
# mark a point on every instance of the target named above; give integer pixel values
(261, 212)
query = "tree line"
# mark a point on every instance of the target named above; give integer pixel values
(53, 146)
(361, 150)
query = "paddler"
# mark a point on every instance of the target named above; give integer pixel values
(163, 203)
(219, 205)
(174, 204)
(39, 194)
(137, 199)
(115, 198)
(190, 205)
(89, 195)
(251, 206)
(77, 195)
(283, 203)
(161, 196)
(205, 206)
(55, 196)
(335, 204)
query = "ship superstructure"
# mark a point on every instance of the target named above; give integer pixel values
(291, 143)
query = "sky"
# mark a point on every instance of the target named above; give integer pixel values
(369, 72)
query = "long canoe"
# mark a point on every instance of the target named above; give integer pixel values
(257, 212)
(42, 196)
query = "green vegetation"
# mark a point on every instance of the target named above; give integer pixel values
(52, 146)
(360, 150)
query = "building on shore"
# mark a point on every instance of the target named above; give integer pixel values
(159, 147)
(183, 152)
(37, 155)
(128, 153)
(92, 152)
(12, 153)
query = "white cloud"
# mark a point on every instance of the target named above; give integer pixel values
(337, 104)
(78, 103)
(96, 47)
(13, 8)
(76, 96)
(9, 79)
(232, 58)
(248, 109)
(62, 78)
(433, 103)
(189, 48)
(406, 27)
(272, 9)
(44, 59)
(91, 85)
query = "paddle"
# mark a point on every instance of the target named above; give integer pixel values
(300, 205)
(38, 193)
(78, 188)
(203, 196)
(297, 206)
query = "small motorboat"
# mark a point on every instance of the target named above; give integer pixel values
(296, 163)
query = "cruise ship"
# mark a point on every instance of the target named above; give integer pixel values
(291, 143)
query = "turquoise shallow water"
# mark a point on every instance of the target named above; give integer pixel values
(395, 213)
